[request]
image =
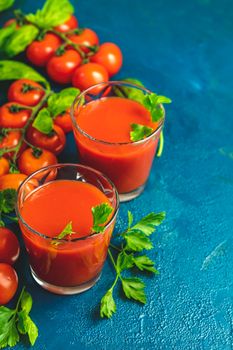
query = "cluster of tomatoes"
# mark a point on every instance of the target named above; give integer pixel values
(21, 145)
(9, 253)
(74, 55)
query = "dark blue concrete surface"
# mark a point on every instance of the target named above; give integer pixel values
(183, 49)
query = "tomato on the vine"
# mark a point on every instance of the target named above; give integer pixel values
(109, 55)
(8, 283)
(64, 121)
(9, 139)
(89, 74)
(4, 166)
(86, 37)
(12, 181)
(14, 115)
(54, 142)
(40, 51)
(68, 25)
(35, 159)
(25, 91)
(9, 246)
(61, 68)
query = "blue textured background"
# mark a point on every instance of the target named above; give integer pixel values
(183, 49)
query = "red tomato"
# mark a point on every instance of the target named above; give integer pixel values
(110, 56)
(87, 37)
(10, 140)
(8, 283)
(64, 121)
(32, 160)
(54, 142)
(40, 51)
(9, 246)
(61, 68)
(89, 74)
(4, 166)
(70, 24)
(25, 91)
(13, 115)
(11, 181)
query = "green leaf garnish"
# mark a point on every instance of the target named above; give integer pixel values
(139, 132)
(153, 104)
(100, 215)
(107, 305)
(43, 121)
(15, 321)
(134, 288)
(52, 14)
(134, 239)
(61, 101)
(68, 230)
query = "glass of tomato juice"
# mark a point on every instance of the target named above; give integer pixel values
(48, 201)
(102, 125)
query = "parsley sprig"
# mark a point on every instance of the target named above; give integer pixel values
(14, 322)
(7, 205)
(67, 231)
(134, 239)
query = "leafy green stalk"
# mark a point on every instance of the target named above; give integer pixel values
(133, 240)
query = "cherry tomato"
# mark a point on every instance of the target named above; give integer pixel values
(110, 56)
(87, 37)
(13, 115)
(70, 24)
(64, 121)
(25, 91)
(89, 74)
(4, 166)
(40, 51)
(10, 140)
(32, 160)
(61, 68)
(54, 142)
(8, 283)
(9, 246)
(11, 181)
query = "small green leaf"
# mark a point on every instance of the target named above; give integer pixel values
(139, 132)
(61, 101)
(68, 230)
(22, 323)
(134, 288)
(100, 215)
(144, 263)
(130, 218)
(20, 39)
(108, 305)
(26, 302)
(32, 331)
(13, 70)
(148, 223)
(52, 14)
(137, 241)
(5, 315)
(124, 261)
(43, 121)
(5, 4)
(7, 200)
(5, 33)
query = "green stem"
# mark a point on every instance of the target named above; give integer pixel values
(12, 218)
(67, 41)
(115, 247)
(115, 267)
(161, 144)
(20, 297)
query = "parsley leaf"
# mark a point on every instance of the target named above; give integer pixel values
(13, 322)
(137, 241)
(100, 215)
(124, 261)
(153, 104)
(68, 230)
(148, 223)
(7, 200)
(134, 288)
(144, 263)
(107, 305)
(139, 132)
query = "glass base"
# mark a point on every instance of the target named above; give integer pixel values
(65, 290)
(124, 197)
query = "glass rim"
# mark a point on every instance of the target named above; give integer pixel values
(64, 240)
(116, 82)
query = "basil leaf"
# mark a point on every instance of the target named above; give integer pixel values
(13, 70)
(20, 39)
(60, 102)
(130, 92)
(5, 33)
(5, 4)
(53, 13)
(43, 122)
